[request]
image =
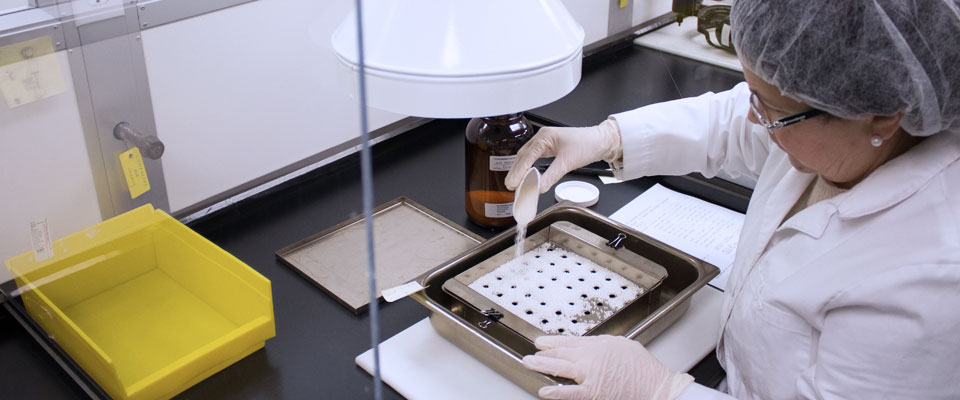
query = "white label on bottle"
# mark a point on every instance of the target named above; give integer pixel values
(501, 163)
(498, 210)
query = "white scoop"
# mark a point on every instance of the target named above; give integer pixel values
(525, 205)
(526, 196)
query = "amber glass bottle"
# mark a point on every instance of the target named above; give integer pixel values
(491, 148)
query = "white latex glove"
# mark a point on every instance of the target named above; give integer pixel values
(572, 147)
(605, 367)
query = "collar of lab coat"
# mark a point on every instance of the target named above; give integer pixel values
(890, 184)
(901, 177)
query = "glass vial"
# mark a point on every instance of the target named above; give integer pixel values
(491, 148)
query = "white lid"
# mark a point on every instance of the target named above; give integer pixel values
(460, 59)
(577, 192)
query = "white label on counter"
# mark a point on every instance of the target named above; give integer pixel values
(501, 163)
(498, 210)
(398, 292)
(40, 237)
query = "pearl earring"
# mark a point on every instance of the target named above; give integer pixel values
(876, 141)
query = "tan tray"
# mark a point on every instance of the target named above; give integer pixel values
(410, 239)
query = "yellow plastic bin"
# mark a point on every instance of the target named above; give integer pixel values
(145, 305)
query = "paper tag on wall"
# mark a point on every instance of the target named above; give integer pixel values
(40, 239)
(30, 71)
(132, 164)
(398, 292)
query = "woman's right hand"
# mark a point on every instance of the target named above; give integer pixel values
(604, 367)
(572, 148)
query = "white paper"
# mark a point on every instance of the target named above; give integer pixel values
(30, 71)
(398, 292)
(608, 180)
(40, 239)
(699, 228)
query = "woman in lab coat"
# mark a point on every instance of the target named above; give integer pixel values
(846, 282)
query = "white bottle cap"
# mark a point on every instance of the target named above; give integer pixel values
(580, 193)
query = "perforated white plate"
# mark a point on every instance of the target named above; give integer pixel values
(558, 291)
(571, 282)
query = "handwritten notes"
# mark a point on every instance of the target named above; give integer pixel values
(30, 71)
(699, 228)
(40, 238)
(134, 171)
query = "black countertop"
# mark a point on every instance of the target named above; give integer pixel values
(312, 355)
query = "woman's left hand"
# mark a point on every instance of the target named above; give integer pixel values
(605, 367)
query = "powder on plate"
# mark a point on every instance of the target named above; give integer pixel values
(556, 290)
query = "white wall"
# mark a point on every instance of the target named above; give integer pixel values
(645, 10)
(592, 16)
(8, 6)
(44, 169)
(237, 94)
(241, 92)
(244, 91)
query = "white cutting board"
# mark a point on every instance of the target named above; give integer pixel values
(684, 40)
(420, 364)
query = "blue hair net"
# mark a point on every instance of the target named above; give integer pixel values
(854, 58)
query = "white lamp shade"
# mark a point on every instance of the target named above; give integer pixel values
(462, 58)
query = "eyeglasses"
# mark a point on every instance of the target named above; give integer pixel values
(714, 23)
(756, 106)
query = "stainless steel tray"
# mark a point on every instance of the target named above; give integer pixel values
(501, 348)
(568, 282)
(409, 239)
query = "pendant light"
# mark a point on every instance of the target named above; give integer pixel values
(462, 58)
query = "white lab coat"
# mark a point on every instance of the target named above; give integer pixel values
(857, 296)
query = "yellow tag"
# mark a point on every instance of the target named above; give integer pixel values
(623, 3)
(30, 71)
(132, 163)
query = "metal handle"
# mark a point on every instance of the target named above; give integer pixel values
(149, 145)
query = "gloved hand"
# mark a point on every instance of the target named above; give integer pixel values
(605, 367)
(572, 147)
